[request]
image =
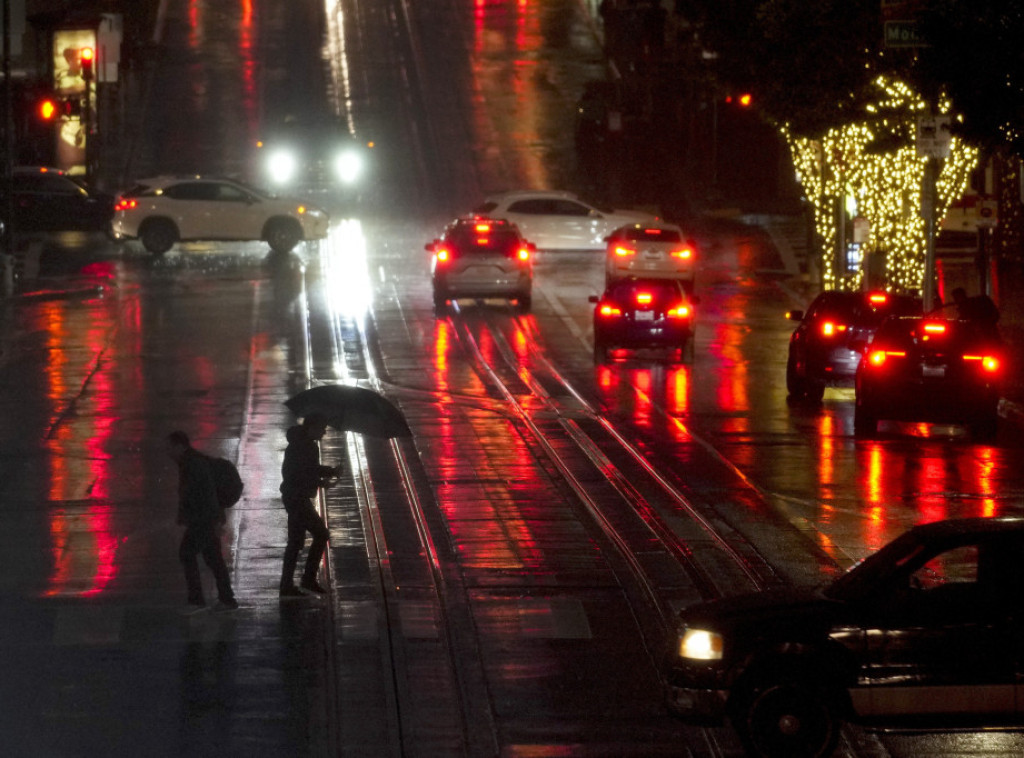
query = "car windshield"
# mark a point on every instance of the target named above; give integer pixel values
(863, 309)
(865, 576)
(652, 235)
(928, 335)
(502, 241)
(628, 289)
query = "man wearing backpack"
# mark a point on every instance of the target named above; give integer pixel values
(302, 475)
(199, 511)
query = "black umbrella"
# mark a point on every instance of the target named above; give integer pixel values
(351, 409)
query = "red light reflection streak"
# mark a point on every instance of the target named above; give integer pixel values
(77, 571)
(246, 50)
(983, 475)
(195, 24)
(826, 470)
(931, 486)
(642, 405)
(875, 472)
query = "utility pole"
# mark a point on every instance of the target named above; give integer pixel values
(7, 232)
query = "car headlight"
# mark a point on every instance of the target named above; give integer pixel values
(282, 165)
(348, 166)
(700, 645)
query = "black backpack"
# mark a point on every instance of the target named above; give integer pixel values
(226, 480)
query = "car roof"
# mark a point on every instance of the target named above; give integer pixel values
(974, 525)
(164, 180)
(652, 225)
(519, 194)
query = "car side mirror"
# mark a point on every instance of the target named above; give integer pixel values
(796, 315)
(429, 247)
(593, 299)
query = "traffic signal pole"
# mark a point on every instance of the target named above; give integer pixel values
(6, 234)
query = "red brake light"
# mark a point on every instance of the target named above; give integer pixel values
(878, 357)
(524, 254)
(932, 327)
(683, 252)
(644, 298)
(125, 204)
(606, 309)
(878, 298)
(624, 252)
(680, 311)
(829, 328)
(989, 363)
(483, 228)
(442, 254)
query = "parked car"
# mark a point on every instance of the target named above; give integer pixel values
(821, 352)
(559, 220)
(166, 209)
(930, 369)
(928, 632)
(47, 199)
(643, 313)
(480, 257)
(661, 250)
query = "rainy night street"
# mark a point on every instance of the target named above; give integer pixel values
(503, 581)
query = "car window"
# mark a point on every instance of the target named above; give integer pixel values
(956, 566)
(653, 235)
(533, 207)
(51, 184)
(627, 290)
(568, 208)
(188, 191)
(502, 242)
(229, 193)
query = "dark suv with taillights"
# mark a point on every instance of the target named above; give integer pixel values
(482, 258)
(928, 632)
(822, 348)
(932, 370)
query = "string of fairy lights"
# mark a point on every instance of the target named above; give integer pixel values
(873, 168)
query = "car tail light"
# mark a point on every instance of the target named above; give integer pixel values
(680, 311)
(644, 298)
(125, 204)
(879, 357)
(624, 252)
(482, 228)
(523, 254)
(443, 254)
(932, 327)
(989, 363)
(831, 328)
(608, 310)
(684, 252)
(878, 298)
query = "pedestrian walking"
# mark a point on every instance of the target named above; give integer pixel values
(301, 476)
(200, 513)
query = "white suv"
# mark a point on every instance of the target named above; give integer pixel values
(166, 209)
(555, 220)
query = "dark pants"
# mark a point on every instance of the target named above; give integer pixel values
(202, 539)
(302, 518)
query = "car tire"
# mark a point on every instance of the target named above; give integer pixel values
(865, 423)
(788, 717)
(600, 352)
(525, 302)
(282, 234)
(158, 235)
(440, 300)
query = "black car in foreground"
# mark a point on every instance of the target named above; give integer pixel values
(822, 348)
(933, 370)
(50, 200)
(926, 633)
(637, 313)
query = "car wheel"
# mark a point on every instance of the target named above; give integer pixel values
(600, 352)
(158, 235)
(865, 423)
(282, 234)
(789, 717)
(795, 384)
(985, 428)
(525, 302)
(440, 300)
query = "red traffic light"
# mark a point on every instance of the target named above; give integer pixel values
(47, 109)
(85, 58)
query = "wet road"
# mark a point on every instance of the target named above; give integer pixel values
(500, 583)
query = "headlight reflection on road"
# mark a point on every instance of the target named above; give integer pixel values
(346, 273)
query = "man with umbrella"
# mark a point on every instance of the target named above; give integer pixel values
(302, 475)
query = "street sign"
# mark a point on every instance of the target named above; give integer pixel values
(903, 34)
(933, 136)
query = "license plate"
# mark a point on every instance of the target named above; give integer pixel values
(933, 371)
(644, 315)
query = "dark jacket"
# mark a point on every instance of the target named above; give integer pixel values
(301, 472)
(197, 492)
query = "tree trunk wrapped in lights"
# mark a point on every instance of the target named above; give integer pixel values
(874, 169)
